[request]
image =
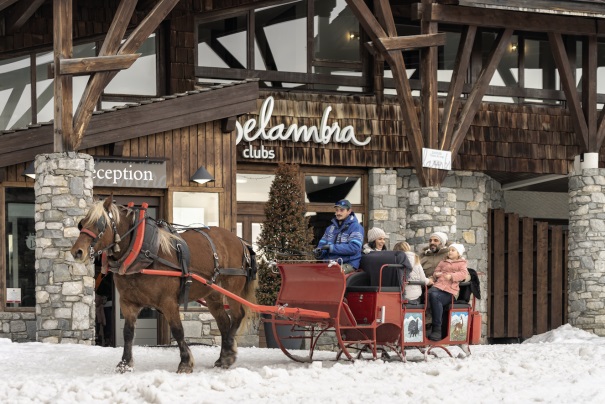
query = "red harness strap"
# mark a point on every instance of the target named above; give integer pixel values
(138, 241)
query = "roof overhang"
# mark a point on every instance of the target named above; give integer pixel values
(149, 117)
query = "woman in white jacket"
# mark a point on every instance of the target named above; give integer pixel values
(413, 292)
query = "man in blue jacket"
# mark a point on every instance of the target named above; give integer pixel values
(343, 239)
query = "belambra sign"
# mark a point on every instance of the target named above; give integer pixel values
(129, 173)
(253, 130)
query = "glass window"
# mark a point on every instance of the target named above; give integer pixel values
(44, 87)
(15, 93)
(20, 247)
(281, 37)
(222, 43)
(336, 31)
(329, 189)
(195, 208)
(253, 187)
(140, 78)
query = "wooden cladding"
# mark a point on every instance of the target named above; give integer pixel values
(502, 137)
(527, 291)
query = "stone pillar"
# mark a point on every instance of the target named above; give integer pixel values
(430, 209)
(383, 209)
(65, 307)
(586, 258)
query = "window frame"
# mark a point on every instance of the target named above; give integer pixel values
(3, 239)
(307, 79)
(104, 97)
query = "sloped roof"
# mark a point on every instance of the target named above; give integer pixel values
(581, 8)
(136, 119)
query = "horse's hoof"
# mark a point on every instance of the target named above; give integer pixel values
(124, 367)
(225, 362)
(185, 368)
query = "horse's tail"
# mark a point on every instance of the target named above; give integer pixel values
(249, 293)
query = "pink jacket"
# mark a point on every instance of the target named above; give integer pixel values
(456, 268)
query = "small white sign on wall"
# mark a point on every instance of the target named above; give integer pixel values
(13, 295)
(440, 159)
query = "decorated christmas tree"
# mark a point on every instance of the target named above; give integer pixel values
(285, 235)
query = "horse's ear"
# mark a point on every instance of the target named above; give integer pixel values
(108, 201)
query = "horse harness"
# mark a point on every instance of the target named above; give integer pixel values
(144, 245)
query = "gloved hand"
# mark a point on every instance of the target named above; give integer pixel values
(325, 247)
(318, 252)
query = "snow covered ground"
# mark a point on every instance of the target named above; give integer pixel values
(562, 366)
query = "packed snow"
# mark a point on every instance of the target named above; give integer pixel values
(562, 366)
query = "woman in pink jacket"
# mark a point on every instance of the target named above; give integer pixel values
(447, 276)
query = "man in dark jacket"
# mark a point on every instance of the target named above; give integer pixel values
(343, 238)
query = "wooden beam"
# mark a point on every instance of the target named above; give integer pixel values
(6, 3)
(402, 84)
(569, 87)
(99, 81)
(413, 41)
(430, 104)
(19, 14)
(368, 22)
(63, 85)
(515, 20)
(589, 91)
(474, 99)
(84, 66)
(450, 108)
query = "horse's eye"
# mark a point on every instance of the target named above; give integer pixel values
(80, 225)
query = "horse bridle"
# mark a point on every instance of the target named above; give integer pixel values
(101, 225)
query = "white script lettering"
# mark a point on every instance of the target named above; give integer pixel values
(322, 135)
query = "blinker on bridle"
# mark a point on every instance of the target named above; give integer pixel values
(100, 226)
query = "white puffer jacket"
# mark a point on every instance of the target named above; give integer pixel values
(413, 292)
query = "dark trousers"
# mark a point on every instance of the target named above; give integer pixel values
(438, 299)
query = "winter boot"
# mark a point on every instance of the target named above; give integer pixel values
(435, 334)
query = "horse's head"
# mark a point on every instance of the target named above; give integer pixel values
(98, 231)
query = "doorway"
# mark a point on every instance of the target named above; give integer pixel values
(249, 228)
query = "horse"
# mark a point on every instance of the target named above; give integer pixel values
(112, 228)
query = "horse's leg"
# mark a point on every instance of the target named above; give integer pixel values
(171, 313)
(130, 312)
(228, 326)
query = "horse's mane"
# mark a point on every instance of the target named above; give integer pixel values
(165, 238)
(97, 210)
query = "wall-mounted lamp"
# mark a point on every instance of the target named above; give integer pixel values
(352, 36)
(202, 176)
(513, 47)
(30, 171)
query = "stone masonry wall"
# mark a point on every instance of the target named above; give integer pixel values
(18, 326)
(586, 260)
(65, 307)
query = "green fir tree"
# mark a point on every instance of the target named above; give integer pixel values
(285, 235)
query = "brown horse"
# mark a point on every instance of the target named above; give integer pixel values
(98, 232)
